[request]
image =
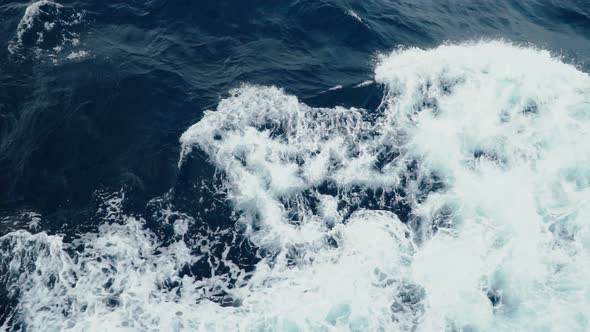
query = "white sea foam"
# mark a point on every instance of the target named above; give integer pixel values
(364, 83)
(355, 15)
(45, 29)
(26, 219)
(486, 143)
(77, 55)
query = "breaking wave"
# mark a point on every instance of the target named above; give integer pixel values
(461, 203)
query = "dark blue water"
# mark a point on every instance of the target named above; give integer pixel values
(94, 95)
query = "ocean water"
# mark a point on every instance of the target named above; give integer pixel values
(295, 165)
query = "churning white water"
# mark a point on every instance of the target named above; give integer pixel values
(462, 204)
(46, 29)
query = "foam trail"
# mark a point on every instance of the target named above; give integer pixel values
(355, 15)
(460, 204)
(364, 83)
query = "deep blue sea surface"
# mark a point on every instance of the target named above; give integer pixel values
(366, 165)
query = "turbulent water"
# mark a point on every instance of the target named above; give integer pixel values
(295, 166)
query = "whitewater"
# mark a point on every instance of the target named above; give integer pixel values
(461, 203)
